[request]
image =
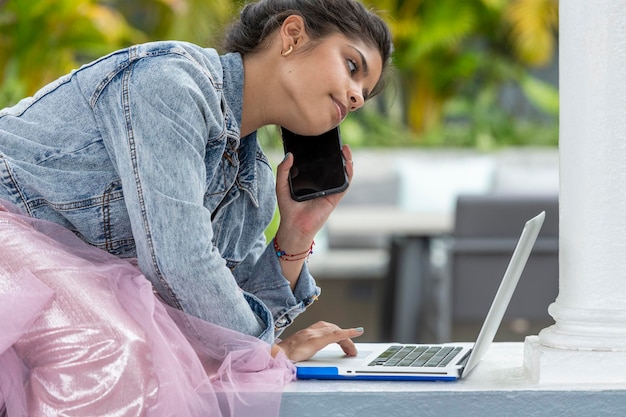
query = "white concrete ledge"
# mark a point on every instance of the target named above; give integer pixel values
(548, 365)
(499, 386)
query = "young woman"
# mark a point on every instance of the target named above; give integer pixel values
(150, 154)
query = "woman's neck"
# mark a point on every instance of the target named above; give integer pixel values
(261, 92)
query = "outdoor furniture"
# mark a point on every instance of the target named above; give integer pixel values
(486, 231)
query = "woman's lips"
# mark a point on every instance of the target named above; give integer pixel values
(341, 110)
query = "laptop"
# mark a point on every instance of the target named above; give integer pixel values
(418, 362)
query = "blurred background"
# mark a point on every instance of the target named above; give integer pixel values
(472, 111)
(469, 73)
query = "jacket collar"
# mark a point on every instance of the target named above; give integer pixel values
(246, 148)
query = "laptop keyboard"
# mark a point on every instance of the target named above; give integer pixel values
(416, 356)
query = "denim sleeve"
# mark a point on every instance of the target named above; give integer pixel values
(156, 120)
(267, 282)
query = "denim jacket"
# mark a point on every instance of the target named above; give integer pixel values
(139, 153)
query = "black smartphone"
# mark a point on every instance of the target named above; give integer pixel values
(318, 167)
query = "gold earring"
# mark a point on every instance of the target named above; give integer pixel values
(288, 51)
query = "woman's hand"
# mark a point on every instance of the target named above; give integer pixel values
(305, 343)
(302, 220)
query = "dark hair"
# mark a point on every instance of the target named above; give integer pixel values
(321, 18)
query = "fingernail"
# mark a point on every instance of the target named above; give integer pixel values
(359, 329)
(286, 156)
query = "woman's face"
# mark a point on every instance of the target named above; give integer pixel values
(326, 82)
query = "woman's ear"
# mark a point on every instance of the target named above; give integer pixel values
(292, 33)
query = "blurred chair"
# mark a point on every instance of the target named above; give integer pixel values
(486, 230)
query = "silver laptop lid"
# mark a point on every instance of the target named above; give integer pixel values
(505, 291)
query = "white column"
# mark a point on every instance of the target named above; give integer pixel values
(588, 341)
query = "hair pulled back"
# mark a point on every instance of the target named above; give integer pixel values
(321, 18)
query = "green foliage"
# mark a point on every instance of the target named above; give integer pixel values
(541, 94)
(198, 21)
(455, 58)
(40, 40)
(454, 61)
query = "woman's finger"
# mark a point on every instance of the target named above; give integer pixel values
(282, 173)
(347, 154)
(347, 345)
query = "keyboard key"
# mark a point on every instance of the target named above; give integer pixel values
(450, 356)
(386, 355)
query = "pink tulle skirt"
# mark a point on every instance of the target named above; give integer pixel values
(82, 334)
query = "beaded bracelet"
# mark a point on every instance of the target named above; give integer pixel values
(292, 256)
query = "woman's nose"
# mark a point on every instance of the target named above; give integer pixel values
(356, 100)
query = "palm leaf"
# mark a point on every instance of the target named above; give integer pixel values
(533, 23)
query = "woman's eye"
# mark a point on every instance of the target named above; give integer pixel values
(352, 66)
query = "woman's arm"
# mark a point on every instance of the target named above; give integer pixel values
(169, 111)
(300, 221)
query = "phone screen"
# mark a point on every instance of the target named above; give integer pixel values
(318, 168)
